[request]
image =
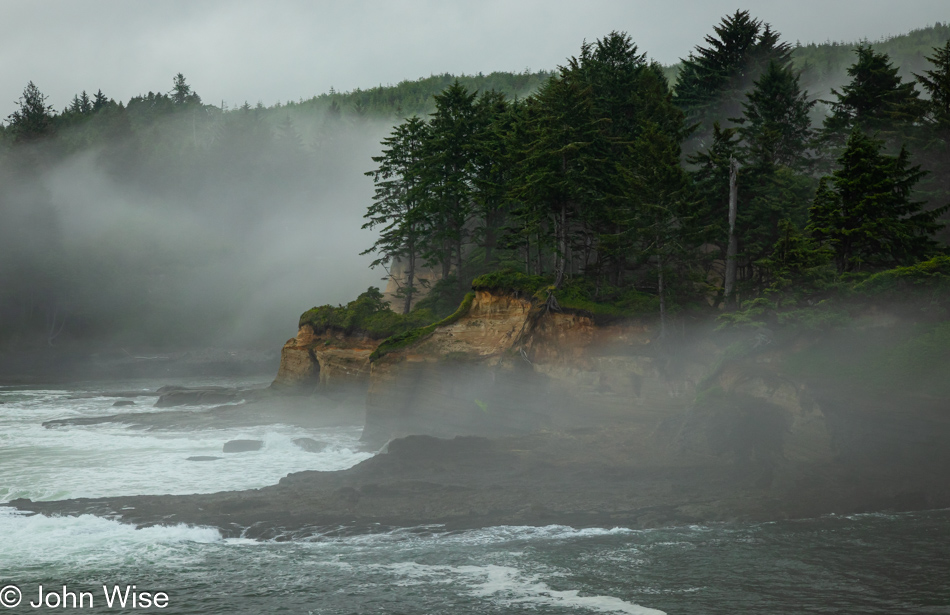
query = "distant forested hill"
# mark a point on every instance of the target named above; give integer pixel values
(824, 65)
(415, 97)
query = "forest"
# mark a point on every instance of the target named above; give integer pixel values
(617, 191)
(612, 184)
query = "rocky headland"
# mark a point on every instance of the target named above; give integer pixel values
(509, 413)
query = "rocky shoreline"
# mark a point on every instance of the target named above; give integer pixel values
(509, 416)
(581, 480)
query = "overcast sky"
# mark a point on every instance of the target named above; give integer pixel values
(237, 50)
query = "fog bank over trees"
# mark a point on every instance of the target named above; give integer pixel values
(167, 221)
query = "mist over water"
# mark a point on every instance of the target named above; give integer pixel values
(224, 245)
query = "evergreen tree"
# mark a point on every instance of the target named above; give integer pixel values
(99, 101)
(559, 169)
(448, 173)
(935, 136)
(659, 190)
(875, 100)
(181, 93)
(491, 168)
(80, 105)
(864, 211)
(775, 124)
(796, 261)
(33, 120)
(398, 204)
(713, 79)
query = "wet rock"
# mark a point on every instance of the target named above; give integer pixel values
(242, 446)
(203, 458)
(182, 396)
(310, 445)
(124, 402)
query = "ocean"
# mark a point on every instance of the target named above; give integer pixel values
(873, 563)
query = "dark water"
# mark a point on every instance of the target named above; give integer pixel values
(860, 564)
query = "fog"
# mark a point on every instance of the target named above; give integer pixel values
(220, 245)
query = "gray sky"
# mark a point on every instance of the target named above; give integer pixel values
(234, 50)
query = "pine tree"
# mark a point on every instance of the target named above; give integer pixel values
(99, 101)
(448, 173)
(775, 124)
(864, 211)
(491, 169)
(713, 79)
(80, 104)
(796, 261)
(936, 83)
(935, 133)
(182, 94)
(398, 204)
(559, 169)
(659, 191)
(875, 100)
(33, 120)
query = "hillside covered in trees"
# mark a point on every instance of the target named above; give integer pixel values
(604, 185)
(612, 189)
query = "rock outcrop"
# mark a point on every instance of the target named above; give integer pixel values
(506, 367)
(329, 361)
(186, 396)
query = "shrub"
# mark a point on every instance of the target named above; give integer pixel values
(368, 314)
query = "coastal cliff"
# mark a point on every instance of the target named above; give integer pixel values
(860, 393)
(505, 366)
(598, 421)
(330, 360)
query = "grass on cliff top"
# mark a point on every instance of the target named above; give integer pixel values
(408, 338)
(368, 315)
(576, 294)
(931, 276)
(922, 288)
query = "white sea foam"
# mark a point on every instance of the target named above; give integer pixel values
(114, 459)
(496, 535)
(87, 540)
(504, 586)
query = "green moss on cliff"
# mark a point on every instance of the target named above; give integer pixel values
(923, 287)
(577, 294)
(931, 276)
(511, 282)
(408, 338)
(367, 315)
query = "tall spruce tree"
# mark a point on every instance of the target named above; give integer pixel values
(491, 169)
(397, 207)
(713, 79)
(556, 176)
(33, 119)
(864, 211)
(659, 189)
(876, 100)
(448, 173)
(935, 138)
(775, 124)
(182, 94)
(936, 84)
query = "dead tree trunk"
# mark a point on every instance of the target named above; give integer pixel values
(732, 251)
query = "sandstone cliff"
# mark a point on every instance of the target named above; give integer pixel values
(507, 367)
(503, 367)
(327, 362)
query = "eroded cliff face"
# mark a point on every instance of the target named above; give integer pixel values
(692, 399)
(330, 362)
(507, 368)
